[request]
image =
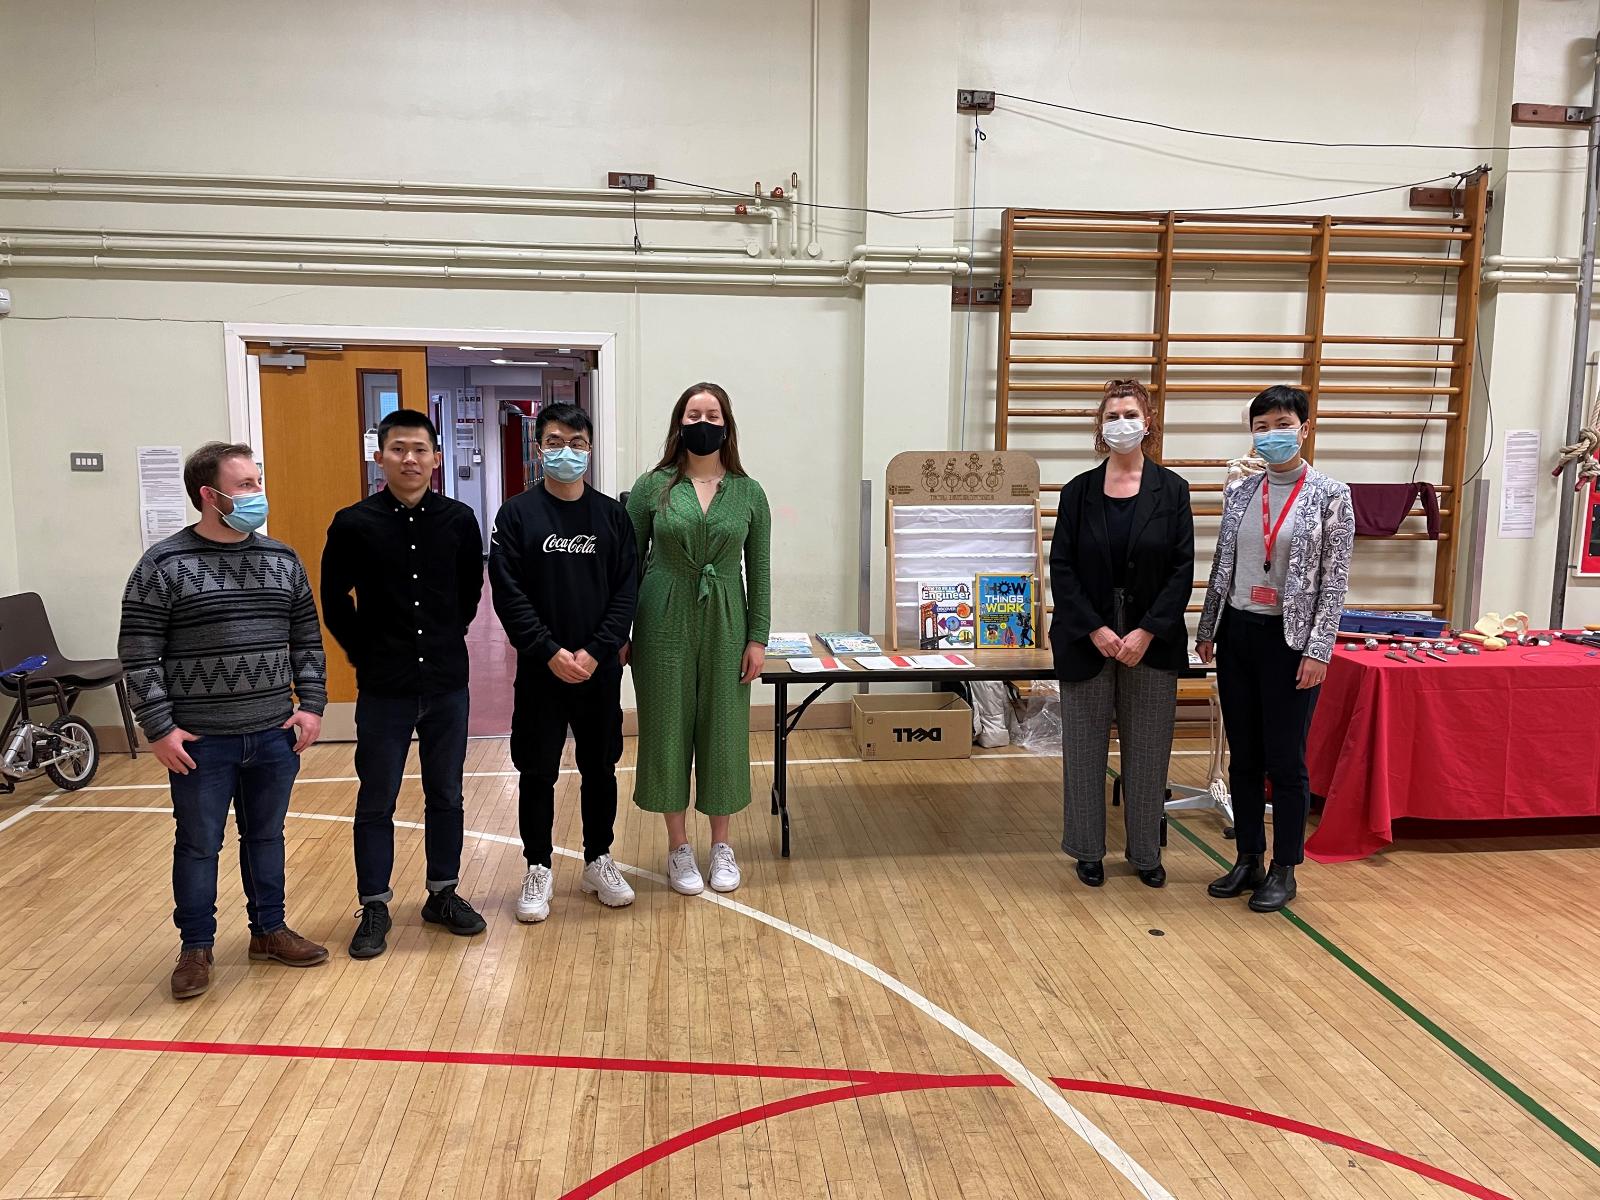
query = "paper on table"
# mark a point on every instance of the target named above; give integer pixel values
(161, 510)
(941, 662)
(877, 663)
(809, 666)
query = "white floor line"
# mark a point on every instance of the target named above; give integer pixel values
(1046, 1093)
(32, 808)
(760, 762)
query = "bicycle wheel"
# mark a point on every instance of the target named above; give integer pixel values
(81, 750)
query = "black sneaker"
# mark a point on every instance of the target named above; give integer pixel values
(446, 908)
(369, 939)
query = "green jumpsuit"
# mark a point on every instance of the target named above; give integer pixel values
(689, 633)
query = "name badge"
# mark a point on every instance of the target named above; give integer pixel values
(1263, 595)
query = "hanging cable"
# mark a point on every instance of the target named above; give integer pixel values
(1274, 141)
(978, 137)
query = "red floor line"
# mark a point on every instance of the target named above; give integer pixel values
(900, 1079)
(777, 1108)
(1289, 1125)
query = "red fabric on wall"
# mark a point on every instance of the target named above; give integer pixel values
(1492, 736)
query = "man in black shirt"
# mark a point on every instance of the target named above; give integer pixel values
(564, 571)
(414, 559)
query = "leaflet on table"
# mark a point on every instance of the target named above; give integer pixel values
(850, 643)
(787, 645)
(810, 666)
(912, 662)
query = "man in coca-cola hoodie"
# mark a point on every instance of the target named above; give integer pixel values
(563, 568)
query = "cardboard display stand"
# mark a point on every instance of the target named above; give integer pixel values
(958, 515)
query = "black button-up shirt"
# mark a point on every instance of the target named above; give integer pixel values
(417, 575)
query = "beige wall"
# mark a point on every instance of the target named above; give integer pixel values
(828, 382)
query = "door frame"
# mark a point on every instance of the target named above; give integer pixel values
(244, 386)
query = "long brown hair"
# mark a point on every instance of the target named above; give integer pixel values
(675, 458)
(1121, 389)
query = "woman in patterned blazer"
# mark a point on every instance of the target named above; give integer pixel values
(1271, 617)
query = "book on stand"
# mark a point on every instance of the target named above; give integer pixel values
(945, 614)
(1008, 612)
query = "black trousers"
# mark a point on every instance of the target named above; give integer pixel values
(544, 711)
(1267, 720)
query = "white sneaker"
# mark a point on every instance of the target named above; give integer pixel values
(682, 872)
(601, 878)
(725, 875)
(533, 905)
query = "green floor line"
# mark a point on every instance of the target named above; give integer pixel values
(1519, 1097)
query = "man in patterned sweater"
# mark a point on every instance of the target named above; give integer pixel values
(218, 625)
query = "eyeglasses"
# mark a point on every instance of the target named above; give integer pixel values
(581, 445)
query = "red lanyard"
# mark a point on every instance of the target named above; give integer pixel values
(1270, 537)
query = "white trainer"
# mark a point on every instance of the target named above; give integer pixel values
(682, 872)
(725, 875)
(601, 878)
(533, 905)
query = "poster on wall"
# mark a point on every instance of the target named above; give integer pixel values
(1519, 483)
(1588, 537)
(161, 511)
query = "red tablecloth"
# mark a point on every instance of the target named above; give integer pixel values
(1513, 733)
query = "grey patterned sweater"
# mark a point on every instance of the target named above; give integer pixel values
(214, 634)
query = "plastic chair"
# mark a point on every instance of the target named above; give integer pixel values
(24, 632)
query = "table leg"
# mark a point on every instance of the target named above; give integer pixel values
(780, 762)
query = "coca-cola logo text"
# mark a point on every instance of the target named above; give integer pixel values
(584, 543)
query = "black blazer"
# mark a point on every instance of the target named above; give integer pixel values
(1160, 575)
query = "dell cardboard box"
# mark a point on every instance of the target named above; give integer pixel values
(913, 725)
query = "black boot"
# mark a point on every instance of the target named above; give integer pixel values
(369, 941)
(1155, 877)
(1277, 891)
(1246, 876)
(1093, 874)
(446, 908)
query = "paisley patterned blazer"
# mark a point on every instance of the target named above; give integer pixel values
(1319, 562)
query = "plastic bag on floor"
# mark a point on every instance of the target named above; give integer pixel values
(992, 718)
(1039, 729)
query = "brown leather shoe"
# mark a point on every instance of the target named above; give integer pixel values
(192, 975)
(288, 947)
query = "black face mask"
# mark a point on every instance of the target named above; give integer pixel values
(702, 437)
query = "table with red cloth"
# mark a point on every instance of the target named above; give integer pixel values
(1502, 734)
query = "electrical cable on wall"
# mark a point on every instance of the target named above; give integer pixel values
(978, 137)
(929, 214)
(1277, 141)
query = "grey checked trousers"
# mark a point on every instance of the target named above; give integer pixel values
(1144, 702)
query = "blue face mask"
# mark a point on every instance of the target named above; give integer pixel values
(565, 465)
(1277, 446)
(249, 512)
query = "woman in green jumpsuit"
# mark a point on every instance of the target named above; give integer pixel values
(699, 640)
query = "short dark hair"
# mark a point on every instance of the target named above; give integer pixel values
(1281, 398)
(202, 467)
(570, 415)
(406, 418)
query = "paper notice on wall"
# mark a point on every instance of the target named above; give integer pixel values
(1519, 483)
(161, 511)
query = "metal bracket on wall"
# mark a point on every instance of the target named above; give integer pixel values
(974, 102)
(962, 296)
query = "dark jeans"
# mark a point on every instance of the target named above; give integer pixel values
(1267, 719)
(539, 723)
(253, 772)
(384, 725)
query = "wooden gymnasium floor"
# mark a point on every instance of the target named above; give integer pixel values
(884, 1015)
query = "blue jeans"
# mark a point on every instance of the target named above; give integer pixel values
(384, 725)
(254, 773)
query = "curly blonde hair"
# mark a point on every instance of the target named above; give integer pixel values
(1121, 389)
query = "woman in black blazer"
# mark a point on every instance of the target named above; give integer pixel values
(1121, 570)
